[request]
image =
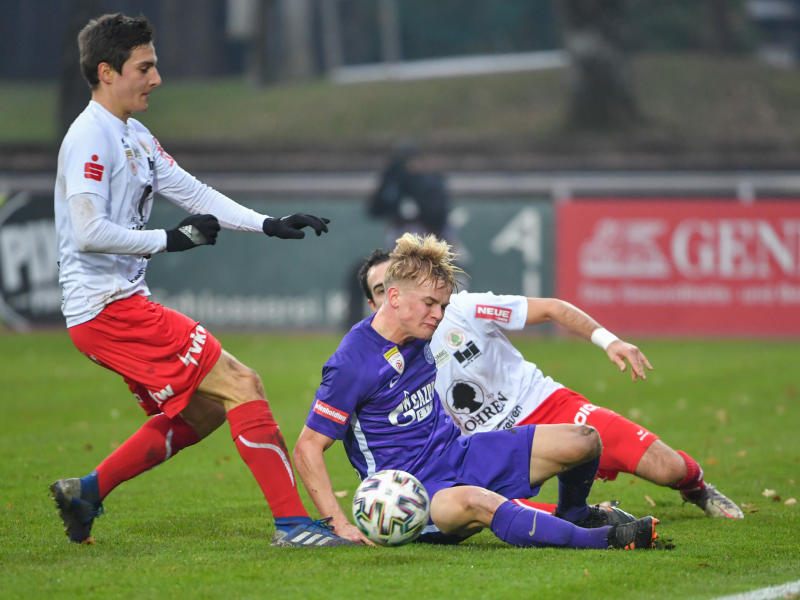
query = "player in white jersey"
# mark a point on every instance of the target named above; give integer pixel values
(485, 384)
(109, 168)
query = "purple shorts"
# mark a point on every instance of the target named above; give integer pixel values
(496, 460)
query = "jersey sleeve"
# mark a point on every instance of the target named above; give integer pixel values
(336, 398)
(183, 189)
(488, 311)
(87, 164)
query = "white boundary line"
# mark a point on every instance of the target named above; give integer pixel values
(767, 593)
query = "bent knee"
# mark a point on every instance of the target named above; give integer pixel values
(243, 384)
(583, 444)
(464, 507)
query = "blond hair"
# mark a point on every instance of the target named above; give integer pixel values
(421, 260)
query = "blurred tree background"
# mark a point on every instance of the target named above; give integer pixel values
(614, 77)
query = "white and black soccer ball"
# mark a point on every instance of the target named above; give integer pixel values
(391, 507)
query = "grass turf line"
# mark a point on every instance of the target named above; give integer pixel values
(198, 526)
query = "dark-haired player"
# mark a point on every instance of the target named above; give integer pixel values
(109, 168)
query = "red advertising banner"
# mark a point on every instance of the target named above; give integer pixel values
(682, 267)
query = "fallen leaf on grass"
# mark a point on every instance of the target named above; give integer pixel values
(712, 460)
(741, 453)
(790, 501)
(340, 493)
(722, 416)
(586, 572)
(749, 508)
(768, 493)
(649, 500)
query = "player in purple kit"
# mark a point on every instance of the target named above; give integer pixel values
(377, 395)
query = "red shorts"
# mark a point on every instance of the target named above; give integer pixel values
(161, 354)
(624, 442)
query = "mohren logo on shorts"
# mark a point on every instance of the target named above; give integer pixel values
(331, 413)
(493, 313)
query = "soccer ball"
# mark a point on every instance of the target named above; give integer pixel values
(391, 507)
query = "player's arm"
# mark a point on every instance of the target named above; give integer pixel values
(186, 191)
(95, 232)
(574, 320)
(310, 464)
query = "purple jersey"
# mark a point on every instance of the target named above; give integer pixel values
(379, 398)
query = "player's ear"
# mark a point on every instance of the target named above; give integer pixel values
(393, 296)
(105, 72)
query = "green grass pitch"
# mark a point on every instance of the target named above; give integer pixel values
(198, 526)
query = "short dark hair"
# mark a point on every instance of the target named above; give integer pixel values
(110, 39)
(376, 257)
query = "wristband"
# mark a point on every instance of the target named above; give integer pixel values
(603, 337)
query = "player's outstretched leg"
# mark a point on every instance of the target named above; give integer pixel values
(78, 505)
(713, 502)
(522, 526)
(79, 501)
(261, 446)
(636, 535)
(307, 534)
(694, 489)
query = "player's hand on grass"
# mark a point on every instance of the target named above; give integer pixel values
(623, 354)
(193, 231)
(291, 226)
(345, 529)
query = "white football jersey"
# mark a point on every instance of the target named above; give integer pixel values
(120, 165)
(482, 379)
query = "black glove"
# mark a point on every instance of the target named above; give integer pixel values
(197, 230)
(289, 227)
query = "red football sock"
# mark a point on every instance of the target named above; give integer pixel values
(157, 440)
(260, 443)
(545, 506)
(693, 481)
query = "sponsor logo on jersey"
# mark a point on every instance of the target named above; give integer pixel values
(471, 406)
(454, 338)
(198, 338)
(331, 413)
(468, 354)
(641, 434)
(93, 169)
(493, 313)
(415, 406)
(395, 359)
(441, 357)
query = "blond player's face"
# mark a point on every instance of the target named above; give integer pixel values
(130, 90)
(375, 277)
(420, 306)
